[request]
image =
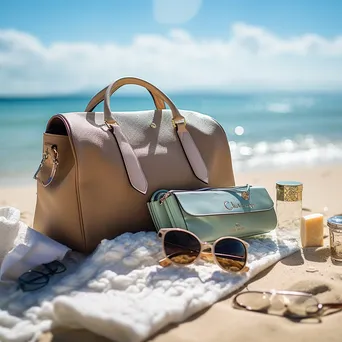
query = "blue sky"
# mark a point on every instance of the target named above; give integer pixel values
(120, 20)
(230, 45)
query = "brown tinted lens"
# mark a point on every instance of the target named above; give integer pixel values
(231, 254)
(181, 247)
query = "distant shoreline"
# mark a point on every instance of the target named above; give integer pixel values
(184, 93)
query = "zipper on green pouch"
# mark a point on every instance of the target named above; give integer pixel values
(174, 212)
(155, 222)
(169, 213)
(158, 217)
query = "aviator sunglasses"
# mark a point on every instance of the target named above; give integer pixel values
(39, 276)
(182, 247)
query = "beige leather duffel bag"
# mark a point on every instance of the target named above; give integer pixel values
(99, 169)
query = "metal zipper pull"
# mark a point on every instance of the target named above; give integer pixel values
(165, 196)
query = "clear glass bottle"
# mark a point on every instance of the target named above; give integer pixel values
(289, 210)
(335, 232)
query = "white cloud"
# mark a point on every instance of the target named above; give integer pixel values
(251, 58)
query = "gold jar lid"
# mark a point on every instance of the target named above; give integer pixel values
(289, 191)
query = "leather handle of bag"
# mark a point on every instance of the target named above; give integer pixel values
(99, 97)
(112, 88)
(133, 168)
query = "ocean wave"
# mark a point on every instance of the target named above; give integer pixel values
(279, 107)
(289, 105)
(285, 153)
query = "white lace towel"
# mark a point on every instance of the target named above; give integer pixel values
(122, 293)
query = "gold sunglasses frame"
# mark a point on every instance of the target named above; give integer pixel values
(204, 253)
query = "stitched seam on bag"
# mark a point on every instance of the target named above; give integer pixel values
(122, 157)
(228, 214)
(223, 213)
(181, 211)
(78, 197)
(186, 157)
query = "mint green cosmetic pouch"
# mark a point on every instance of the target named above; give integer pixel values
(212, 213)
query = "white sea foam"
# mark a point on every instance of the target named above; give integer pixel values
(285, 153)
(281, 108)
(290, 105)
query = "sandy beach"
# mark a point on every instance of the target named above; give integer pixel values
(310, 269)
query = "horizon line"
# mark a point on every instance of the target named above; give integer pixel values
(89, 95)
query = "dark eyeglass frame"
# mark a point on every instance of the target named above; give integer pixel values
(206, 250)
(315, 311)
(38, 277)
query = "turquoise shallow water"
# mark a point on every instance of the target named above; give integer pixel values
(264, 131)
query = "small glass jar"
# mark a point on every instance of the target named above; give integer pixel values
(289, 209)
(335, 232)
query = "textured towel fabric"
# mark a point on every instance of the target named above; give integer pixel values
(122, 293)
(9, 229)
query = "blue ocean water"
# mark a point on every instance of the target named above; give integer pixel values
(264, 130)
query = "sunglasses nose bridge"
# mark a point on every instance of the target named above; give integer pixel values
(205, 246)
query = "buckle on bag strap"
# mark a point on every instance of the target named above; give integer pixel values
(178, 122)
(55, 163)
